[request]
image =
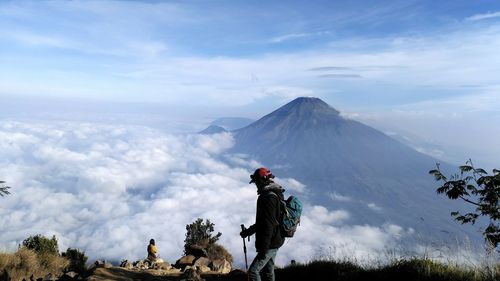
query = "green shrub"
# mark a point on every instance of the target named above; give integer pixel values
(199, 233)
(26, 263)
(4, 190)
(218, 252)
(42, 245)
(413, 269)
(77, 260)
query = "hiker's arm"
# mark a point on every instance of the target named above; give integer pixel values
(248, 231)
(267, 221)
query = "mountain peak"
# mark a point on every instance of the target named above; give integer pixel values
(307, 106)
(212, 129)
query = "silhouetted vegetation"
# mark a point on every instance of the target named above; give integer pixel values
(77, 260)
(405, 269)
(474, 186)
(36, 258)
(218, 252)
(199, 233)
(4, 190)
(42, 245)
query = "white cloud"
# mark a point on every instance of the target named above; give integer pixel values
(294, 36)
(339, 197)
(478, 17)
(109, 189)
(292, 185)
(374, 207)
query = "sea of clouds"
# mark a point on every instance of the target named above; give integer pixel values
(108, 189)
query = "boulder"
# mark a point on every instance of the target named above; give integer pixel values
(141, 264)
(190, 274)
(126, 264)
(202, 261)
(237, 273)
(69, 276)
(221, 266)
(174, 270)
(162, 266)
(196, 250)
(102, 264)
(203, 269)
(50, 277)
(186, 260)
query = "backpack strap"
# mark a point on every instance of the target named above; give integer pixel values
(280, 206)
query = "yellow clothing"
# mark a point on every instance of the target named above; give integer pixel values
(152, 251)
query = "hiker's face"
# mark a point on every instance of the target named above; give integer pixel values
(260, 183)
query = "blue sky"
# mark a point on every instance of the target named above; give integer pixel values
(424, 67)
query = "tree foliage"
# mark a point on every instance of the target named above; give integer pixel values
(4, 190)
(42, 245)
(77, 260)
(200, 233)
(474, 186)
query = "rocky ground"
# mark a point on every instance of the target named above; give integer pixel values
(195, 266)
(120, 273)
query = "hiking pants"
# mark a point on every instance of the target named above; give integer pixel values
(264, 264)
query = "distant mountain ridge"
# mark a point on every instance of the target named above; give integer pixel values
(348, 165)
(231, 123)
(212, 129)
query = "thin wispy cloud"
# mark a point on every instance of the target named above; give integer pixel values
(484, 16)
(340, 76)
(330, 68)
(294, 36)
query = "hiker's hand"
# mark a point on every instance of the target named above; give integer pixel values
(245, 233)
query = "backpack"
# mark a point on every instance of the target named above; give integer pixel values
(290, 211)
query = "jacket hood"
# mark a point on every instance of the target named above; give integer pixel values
(271, 186)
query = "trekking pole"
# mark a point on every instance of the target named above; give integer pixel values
(245, 251)
(245, 248)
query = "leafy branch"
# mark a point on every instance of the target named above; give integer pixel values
(4, 190)
(474, 186)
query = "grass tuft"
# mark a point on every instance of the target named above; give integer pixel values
(26, 263)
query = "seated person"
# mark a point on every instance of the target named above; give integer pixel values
(152, 251)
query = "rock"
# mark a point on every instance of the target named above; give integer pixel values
(191, 275)
(126, 264)
(141, 264)
(174, 270)
(237, 272)
(221, 266)
(102, 264)
(49, 277)
(186, 260)
(162, 266)
(69, 276)
(202, 262)
(203, 269)
(196, 250)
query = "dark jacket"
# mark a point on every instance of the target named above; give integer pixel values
(266, 227)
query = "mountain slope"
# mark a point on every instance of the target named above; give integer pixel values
(348, 165)
(212, 129)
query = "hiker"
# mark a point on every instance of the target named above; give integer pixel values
(268, 238)
(152, 251)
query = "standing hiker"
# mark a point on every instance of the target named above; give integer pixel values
(152, 251)
(268, 238)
